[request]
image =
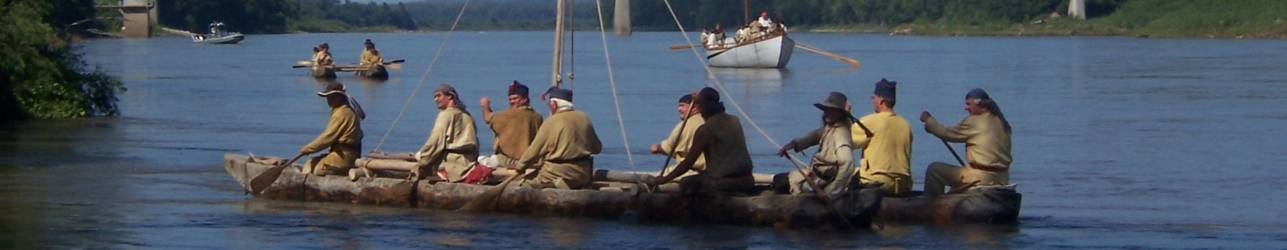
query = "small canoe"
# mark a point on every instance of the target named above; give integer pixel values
(373, 71)
(989, 204)
(858, 207)
(322, 72)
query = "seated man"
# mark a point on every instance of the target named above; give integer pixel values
(370, 56)
(886, 142)
(722, 142)
(343, 135)
(514, 127)
(452, 147)
(681, 137)
(832, 167)
(986, 134)
(564, 146)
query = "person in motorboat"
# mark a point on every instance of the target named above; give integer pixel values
(721, 141)
(832, 167)
(343, 134)
(515, 128)
(564, 146)
(452, 147)
(986, 134)
(681, 137)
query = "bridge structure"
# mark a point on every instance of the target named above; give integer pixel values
(137, 15)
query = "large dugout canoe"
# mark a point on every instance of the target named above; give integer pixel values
(322, 72)
(372, 71)
(994, 205)
(858, 207)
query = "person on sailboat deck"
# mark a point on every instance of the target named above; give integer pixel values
(343, 134)
(515, 128)
(887, 150)
(323, 55)
(681, 137)
(718, 34)
(742, 33)
(766, 24)
(832, 167)
(370, 56)
(723, 144)
(706, 36)
(564, 146)
(452, 147)
(986, 134)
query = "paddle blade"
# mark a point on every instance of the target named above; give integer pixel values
(484, 201)
(299, 66)
(261, 182)
(396, 66)
(395, 61)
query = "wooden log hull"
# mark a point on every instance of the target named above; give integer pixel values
(993, 206)
(857, 207)
(322, 72)
(374, 72)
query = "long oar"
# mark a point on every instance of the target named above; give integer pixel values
(819, 192)
(395, 64)
(665, 164)
(680, 46)
(850, 61)
(268, 177)
(484, 201)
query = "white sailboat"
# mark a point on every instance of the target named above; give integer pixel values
(772, 51)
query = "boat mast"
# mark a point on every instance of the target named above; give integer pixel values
(558, 46)
(746, 12)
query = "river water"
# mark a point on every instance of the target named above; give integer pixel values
(1118, 142)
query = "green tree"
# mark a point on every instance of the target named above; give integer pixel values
(40, 75)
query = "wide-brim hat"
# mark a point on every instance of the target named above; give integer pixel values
(834, 101)
(333, 88)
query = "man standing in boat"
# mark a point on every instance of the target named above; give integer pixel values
(452, 147)
(986, 134)
(765, 24)
(681, 137)
(563, 146)
(370, 56)
(514, 127)
(343, 135)
(832, 167)
(721, 140)
(887, 150)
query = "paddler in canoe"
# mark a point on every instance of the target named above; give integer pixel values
(681, 137)
(986, 134)
(563, 147)
(452, 147)
(832, 167)
(720, 139)
(343, 135)
(515, 128)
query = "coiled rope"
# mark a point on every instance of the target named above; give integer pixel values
(423, 77)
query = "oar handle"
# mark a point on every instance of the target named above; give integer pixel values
(292, 160)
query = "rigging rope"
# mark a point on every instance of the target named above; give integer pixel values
(720, 85)
(615, 101)
(422, 78)
(572, 47)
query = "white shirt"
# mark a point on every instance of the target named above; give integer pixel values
(765, 22)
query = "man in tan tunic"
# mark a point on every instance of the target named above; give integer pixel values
(370, 56)
(343, 135)
(452, 147)
(681, 137)
(514, 127)
(722, 142)
(832, 167)
(564, 146)
(986, 134)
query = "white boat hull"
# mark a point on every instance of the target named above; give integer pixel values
(770, 53)
(228, 38)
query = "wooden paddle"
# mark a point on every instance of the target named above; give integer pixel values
(484, 201)
(268, 177)
(395, 64)
(680, 46)
(850, 61)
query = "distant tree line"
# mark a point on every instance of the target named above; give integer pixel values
(41, 75)
(279, 16)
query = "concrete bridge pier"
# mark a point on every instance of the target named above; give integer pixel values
(137, 16)
(1077, 9)
(621, 18)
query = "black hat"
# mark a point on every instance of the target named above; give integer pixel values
(707, 96)
(324, 46)
(835, 101)
(886, 89)
(517, 88)
(687, 98)
(556, 92)
(333, 88)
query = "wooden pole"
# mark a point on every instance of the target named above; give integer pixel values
(558, 46)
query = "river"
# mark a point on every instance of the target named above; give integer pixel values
(1118, 142)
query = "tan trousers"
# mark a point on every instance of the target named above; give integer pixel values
(320, 165)
(893, 185)
(939, 175)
